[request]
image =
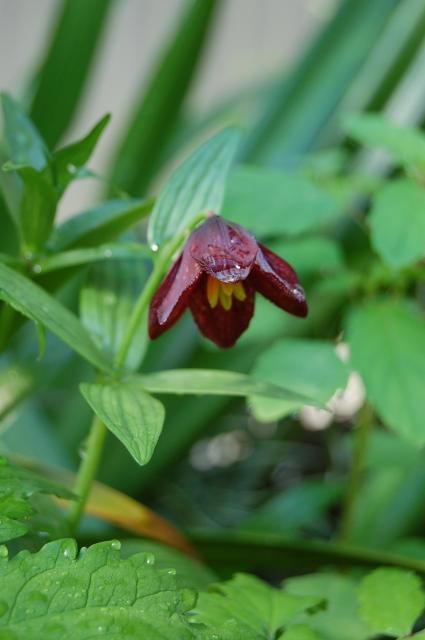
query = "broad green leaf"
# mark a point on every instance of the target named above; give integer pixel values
(57, 593)
(101, 224)
(273, 203)
(390, 601)
(196, 186)
(35, 303)
(133, 416)
(37, 207)
(387, 340)
(215, 382)
(310, 368)
(112, 252)
(158, 109)
(17, 489)
(340, 620)
(65, 68)
(189, 573)
(397, 222)
(106, 303)
(245, 608)
(406, 144)
(68, 160)
(22, 142)
(300, 632)
(310, 255)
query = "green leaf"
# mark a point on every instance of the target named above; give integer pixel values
(101, 224)
(56, 593)
(310, 368)
(17, 488)
(310, 254)
(34, 303)
(300, 632)
(246, 608)
(397, 222)
(340, 620)
(387, 340)
(133, 416)
(196, 186)
(406, 144)
(390, 601)
(16, 382)
(215, 382)
(23, 143)
(69, 159)
(107, 300)
(65, 68)
(271, 203)
(113, 252)
(37, 207)
(159, 107)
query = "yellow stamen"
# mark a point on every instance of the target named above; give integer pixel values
(225, 299)
(213, 290)
(227, 288)
(239, 291)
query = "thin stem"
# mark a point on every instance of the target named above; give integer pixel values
(87, 470)
(361, 437)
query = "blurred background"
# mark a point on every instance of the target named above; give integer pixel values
(238, 54)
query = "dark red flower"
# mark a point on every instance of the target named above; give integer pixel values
(216, 276)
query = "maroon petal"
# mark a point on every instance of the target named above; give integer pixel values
(224, 250)
(221, 326)
(172, 297)
(276, 280)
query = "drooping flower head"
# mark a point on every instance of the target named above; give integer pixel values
(216, 277)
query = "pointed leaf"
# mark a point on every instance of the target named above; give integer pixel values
(133, 416)
(34, 303)
(23, 143)
(214, 382)
(196, 186)
(387, 340)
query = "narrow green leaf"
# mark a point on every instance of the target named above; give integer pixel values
(67, 160)
(245, 607)
(59, 593)
(101, 224)
(133, 416)
(212, 382)
(272, 203)
(196, 186)
(405, 144)
(17, 487)
(16, 382)
(106, 303)
(65, 68)
(22, 141)
(34, 303)
(310, 368)
(106, 252)
(387, 340)
(391, 600)
(397, 222)
(159, 106)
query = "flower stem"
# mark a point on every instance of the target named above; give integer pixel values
(361, 436)
(87, 470)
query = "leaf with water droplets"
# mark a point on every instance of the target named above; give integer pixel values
(60, 593)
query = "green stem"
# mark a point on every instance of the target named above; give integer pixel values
(361, 436)
(87, 470)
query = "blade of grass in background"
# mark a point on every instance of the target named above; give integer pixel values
(158, 108)
(305, 99)
(65, 69)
